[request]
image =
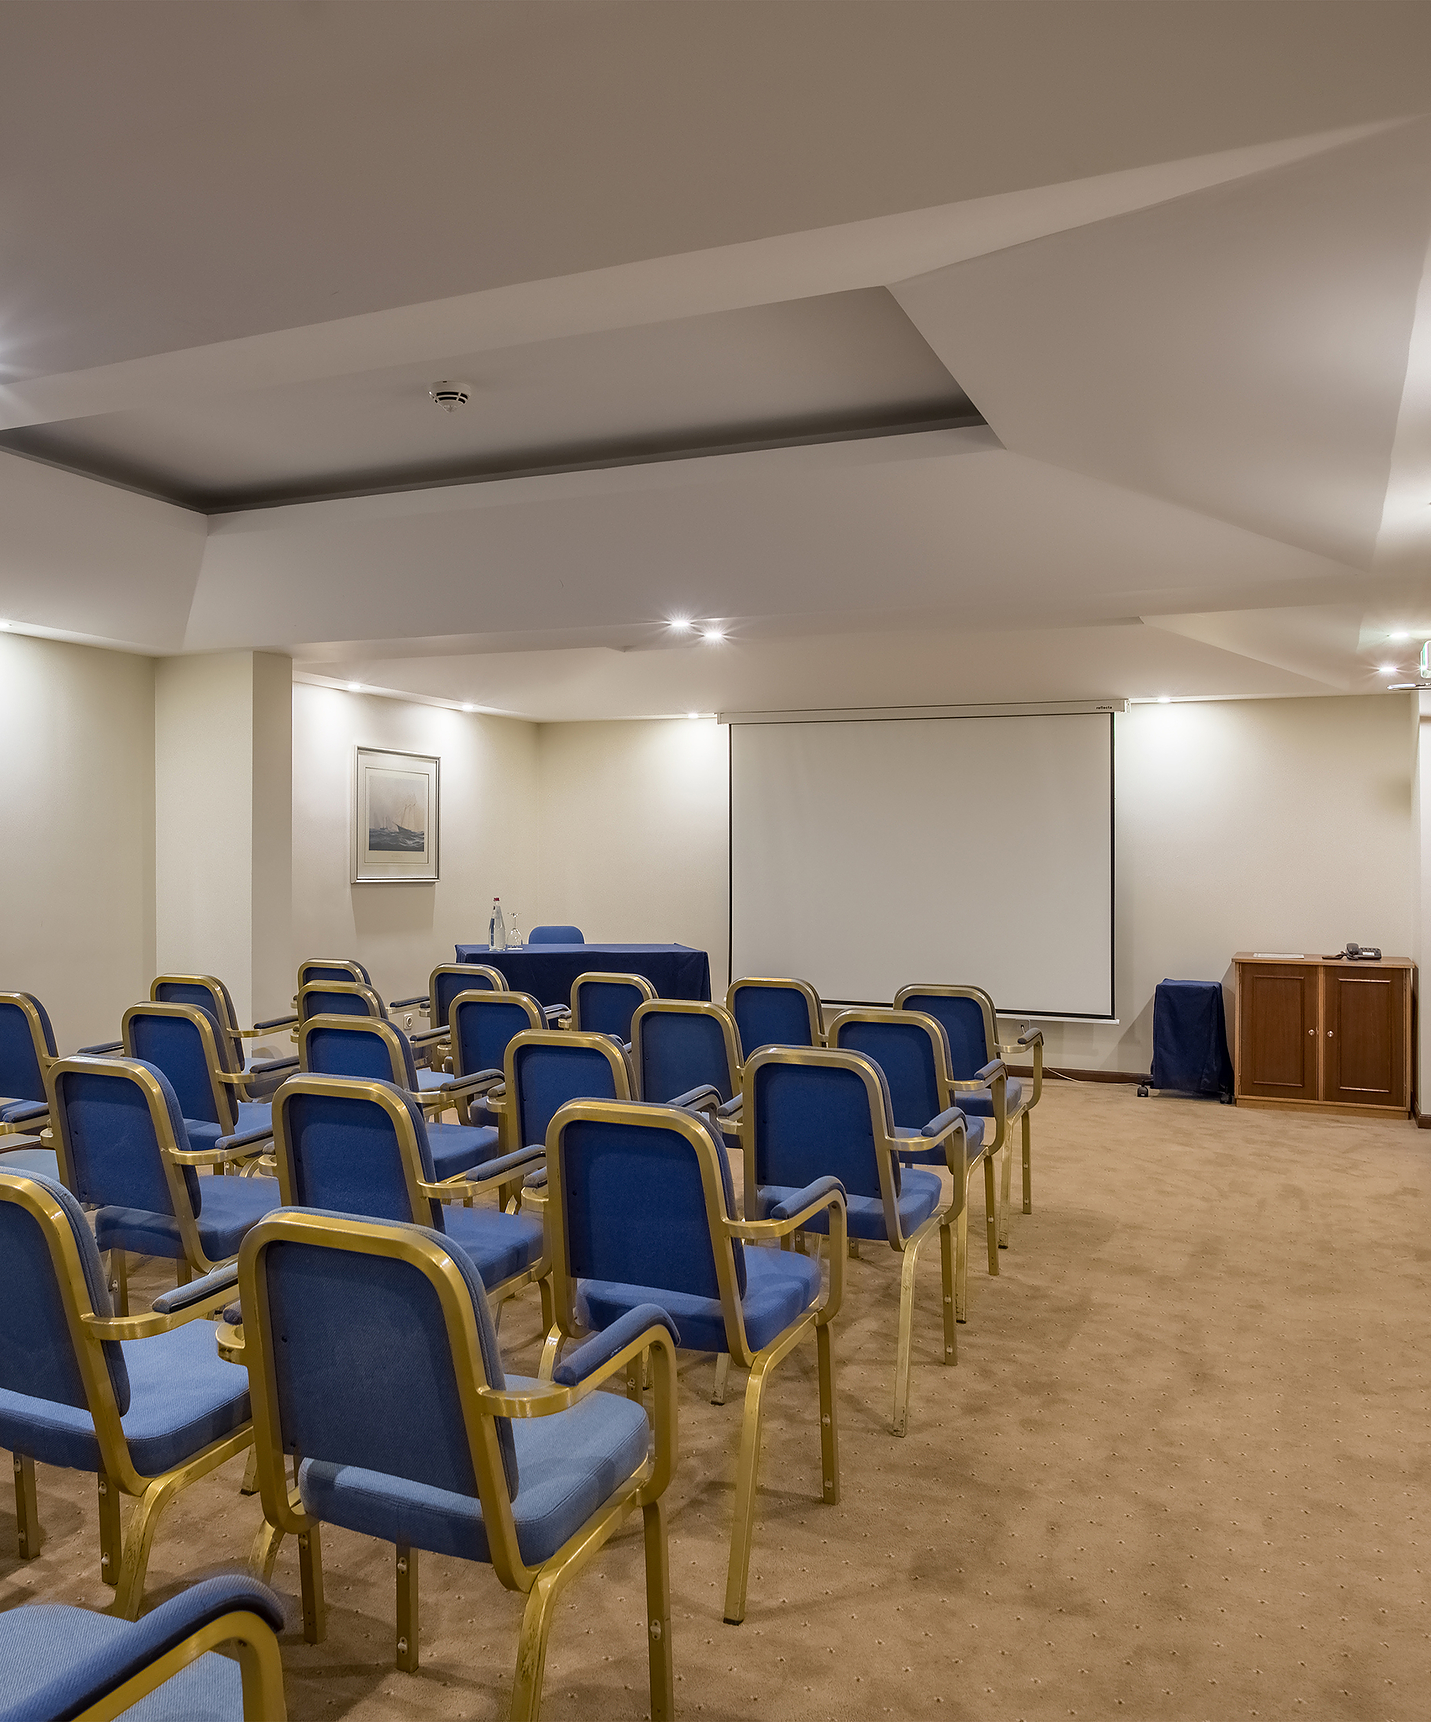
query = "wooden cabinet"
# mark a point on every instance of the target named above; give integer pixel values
(1315, 1031)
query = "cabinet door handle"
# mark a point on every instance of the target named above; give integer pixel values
(1329, 1034)
(1311, 1031)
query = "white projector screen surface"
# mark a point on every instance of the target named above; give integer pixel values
(869, 854)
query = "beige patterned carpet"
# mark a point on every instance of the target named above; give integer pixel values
(1180, 1472)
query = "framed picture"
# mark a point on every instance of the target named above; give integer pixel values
(395, 810)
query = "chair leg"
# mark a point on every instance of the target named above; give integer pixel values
(110, 1541)
(906, 1342)
(265, 1551)
(407, 1638)
(119, 1281)
(961, 1265)
(27, 1508)
(249, 1486)
(551, 1350)
(544, 1289)
(137, 1544)
(658, 1611)
(532, 1647)
(855, 1248)
(1005, 1195)
(745, 1471)
(722, 1375)
(946, 1265)
(310, 1578)
(183, 1273)
(991, 1214)
(829, 1427)
(1028, 1173)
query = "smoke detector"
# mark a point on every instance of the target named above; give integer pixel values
(449, 396)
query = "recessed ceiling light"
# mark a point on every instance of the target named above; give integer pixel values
(469, 708)
(712, 633)
(682, 624)
(693, 716)
(355, 687)
(1386, 669)
(1400, 634)
(1165, 699)
(4, 627)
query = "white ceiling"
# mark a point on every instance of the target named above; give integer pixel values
(1175, 254)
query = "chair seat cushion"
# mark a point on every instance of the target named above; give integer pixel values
(568, 1464)
(182, 1398)
(779, 1287)
(499, 1245)
(40, 1641)
(918, 1198)
(459, 1147)
(980, 1101)
(252, 1115)
(43, 1160)
(919, 1153)
(430, 1079)
(230, 1207)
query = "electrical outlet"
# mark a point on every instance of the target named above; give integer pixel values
(407, 1022)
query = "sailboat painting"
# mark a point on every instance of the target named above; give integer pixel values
(395, 823)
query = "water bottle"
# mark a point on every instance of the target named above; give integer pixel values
(497, 930)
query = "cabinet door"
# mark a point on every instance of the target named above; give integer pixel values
(1277, 1032)
(1364, 1037)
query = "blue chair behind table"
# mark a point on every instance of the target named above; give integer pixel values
(64, 1662)
(913, 1054)
(642, 1211)
(686, 1053)
(527, 1477)
(970, 1022)
(361, 1147)
(775, 1013)
(555, 936)
(186, 1043)
(381, 1052)
(210, 994)
(123, 1148)
(813, 1112)
(544, 1068)
(481, 1025)
(606, 1003)
(70, 1371)
(27, 1049)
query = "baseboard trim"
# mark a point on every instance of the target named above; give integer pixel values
(1423, 1119)
(1076, 1075)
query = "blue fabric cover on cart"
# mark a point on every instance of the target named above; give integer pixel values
(1190, 1038)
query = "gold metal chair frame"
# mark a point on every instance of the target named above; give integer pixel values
(573, 1016)
(1030, 1042)
(497, 983)
(227, 1085)
(465, 1189)
(615, 1055)
(433, 1101)
(43, 1057)
(887, 1149)
(223, 1009)
(494, 1094)
(123, 1568)
(985, 1157)
(812, 1000)
(734, 1056)
(260, 1669)
(724, 1229)
(644, 1488)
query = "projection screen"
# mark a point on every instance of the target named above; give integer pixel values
(870, 853)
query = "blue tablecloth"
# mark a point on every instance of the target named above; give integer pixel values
(547, 971)
(1190, 1038)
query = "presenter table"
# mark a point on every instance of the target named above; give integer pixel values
(547, 971)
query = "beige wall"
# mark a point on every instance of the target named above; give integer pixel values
(634, 833)
(77, 857)
(487, 835)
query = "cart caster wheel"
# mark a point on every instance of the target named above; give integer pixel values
(1227, 1100)
(1143, 1091)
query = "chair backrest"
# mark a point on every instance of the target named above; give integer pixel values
(639, 1194)
(446, 982)
(910, 1049)
(483, 1024)
(53, 1279)
(555, 936)
(966, 1014)
(332, 969)
(185, 1042)
(605, 1004)
(357, 1046)
(775, 1013)
(815, 1112)
(27, 1044)
(338, 998)
(337, 1311)
(116, 1120)
(680, 1044)
(210, 994)
(354, 1145)
(545, 1068)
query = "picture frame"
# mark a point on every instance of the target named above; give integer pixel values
(396, 815)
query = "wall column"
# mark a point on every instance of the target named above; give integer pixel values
(223, 817)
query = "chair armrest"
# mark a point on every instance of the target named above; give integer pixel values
(272, 1022)
(943, 1124)
(807, 1201)
(424, 1036)
(479, 1081)
(32, 1109)
(222, 1279)
(269, 1065)
(555, 1013)
(106, 1047)
(794, 1212)
(731, 1107)
(492, 1173)
(199, 1299)
(232, 1145)
(602, 1347)
(695, 1098)
(1034, 1037)
(407, 1004)
(991, 1071)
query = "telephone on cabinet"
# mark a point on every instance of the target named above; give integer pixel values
(1361, 953)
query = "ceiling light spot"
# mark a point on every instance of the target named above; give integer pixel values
(450, 396)
(469, 708)
(681, 624)
(355, 687)
(1165, 699)
(693, 716)
(1386, 669)
(1400, 634)
(712, 633)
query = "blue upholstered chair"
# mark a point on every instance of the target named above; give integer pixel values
(641, 1211)
(555, 936)
(970, 1023)
(359, 1146)
(775, 1013)
(124, 1148)
(687, 1053)
(446, 1454)
(450, 979)
(913, 1054)
(605, 1003)
(66, 1664)
(210, 994)
(813, 1112)
(143, 1402)
(27, 1049)
(481, 1024)
(544, 1068)
(333, 969)
(381, 1052)
(325, 994)
(185, 1042)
